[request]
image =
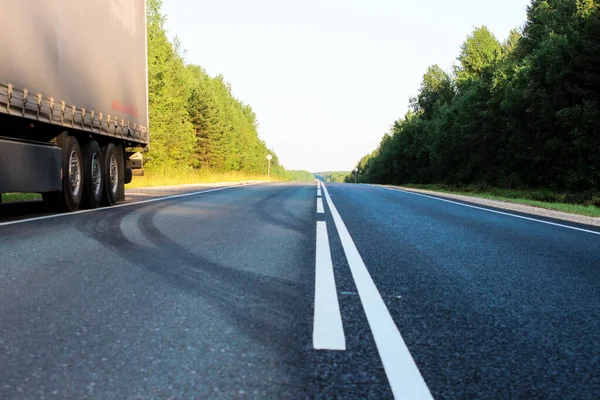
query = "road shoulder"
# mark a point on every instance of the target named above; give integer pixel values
(520, 208)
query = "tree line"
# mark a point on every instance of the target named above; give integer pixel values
(300, 176)
(195, 121)
(524, 113)
(331, 176)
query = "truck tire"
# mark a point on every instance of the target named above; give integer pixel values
(128, 176)
(72, 180)
(93, 182)
(112, 163)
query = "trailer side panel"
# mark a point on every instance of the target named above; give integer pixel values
(77, 64)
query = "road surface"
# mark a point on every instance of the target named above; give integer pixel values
(268, 291)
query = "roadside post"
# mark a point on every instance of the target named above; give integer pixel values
(269, 157)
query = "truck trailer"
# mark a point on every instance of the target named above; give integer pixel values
(73, 99)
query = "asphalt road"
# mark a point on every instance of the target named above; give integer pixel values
(233, 293)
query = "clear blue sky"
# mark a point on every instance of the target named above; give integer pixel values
(327, 78)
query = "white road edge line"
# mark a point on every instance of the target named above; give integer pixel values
(497, 212)
(328, 330)
(22, 221)
(320, 208)
(402, 373)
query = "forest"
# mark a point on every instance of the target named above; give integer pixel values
(196, 123)
(523, 113)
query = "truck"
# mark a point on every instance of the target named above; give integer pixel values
(73, 99)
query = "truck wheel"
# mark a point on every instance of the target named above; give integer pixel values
(111, 174)
(93, 182)
(72, 180)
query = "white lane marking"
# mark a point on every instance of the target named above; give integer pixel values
(498, 212)
(319, 192)
(403, 375)
(320, 208)
(21, 221)
(328, 330)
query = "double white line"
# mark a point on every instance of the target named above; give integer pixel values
(404, 377)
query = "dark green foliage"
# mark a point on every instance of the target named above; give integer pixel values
(195, 120)
(519, 114)
(436, 90)
(479, 53)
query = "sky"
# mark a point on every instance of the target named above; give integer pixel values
(327, 78)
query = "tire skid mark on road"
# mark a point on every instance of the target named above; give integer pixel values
(241, 296)
(404, 377)
(177, 196)
(276, 201)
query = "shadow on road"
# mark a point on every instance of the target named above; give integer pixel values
(19, 210)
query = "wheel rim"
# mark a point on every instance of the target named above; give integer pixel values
(75, 173)
(113, 174)
(96, 174)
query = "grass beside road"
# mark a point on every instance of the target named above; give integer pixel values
(583, 204)
(16, 197)
(190, 177)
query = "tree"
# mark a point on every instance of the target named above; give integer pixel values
(436, 90)
(522, 113)
(478, 53)
(226, 129)
(172, 145)
(195, 121)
